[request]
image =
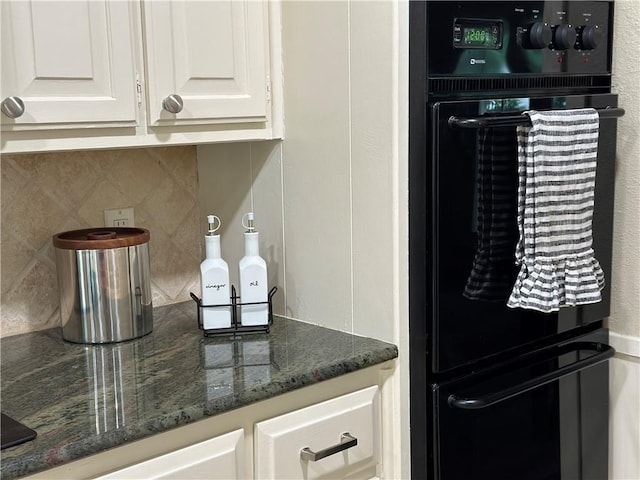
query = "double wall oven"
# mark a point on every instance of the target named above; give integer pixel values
(499, 392)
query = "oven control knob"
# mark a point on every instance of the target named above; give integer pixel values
(564, 37)
(588, 37)
(538, 35)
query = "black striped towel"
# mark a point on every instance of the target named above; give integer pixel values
(491, 277)
(557, 172)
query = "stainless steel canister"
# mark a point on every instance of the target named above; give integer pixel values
(104, 283)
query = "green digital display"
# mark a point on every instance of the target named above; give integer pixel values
(479, 37)
(477, 33)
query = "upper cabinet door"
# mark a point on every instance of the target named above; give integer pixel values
(68, 63)
(206, 61)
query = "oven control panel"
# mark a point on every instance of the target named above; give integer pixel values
(526, 37)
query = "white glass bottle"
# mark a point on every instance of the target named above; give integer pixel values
(214, 279)
(253, 278)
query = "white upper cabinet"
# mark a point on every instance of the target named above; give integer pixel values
(67, 64)
(83, 74)
(209, 56)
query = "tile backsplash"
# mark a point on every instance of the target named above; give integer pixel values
(43, 194)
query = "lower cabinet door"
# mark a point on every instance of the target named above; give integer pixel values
(339, 438)
(218, 458)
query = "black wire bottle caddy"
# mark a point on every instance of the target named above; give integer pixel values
(236, 323)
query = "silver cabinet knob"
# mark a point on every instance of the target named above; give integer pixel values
(173, 103)
(12, 107)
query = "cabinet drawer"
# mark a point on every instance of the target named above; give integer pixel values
(221, 458)
(279, 441)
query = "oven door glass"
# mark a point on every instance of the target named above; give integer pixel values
(474, 177)
(516, 423)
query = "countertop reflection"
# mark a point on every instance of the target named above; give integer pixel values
(84, 399)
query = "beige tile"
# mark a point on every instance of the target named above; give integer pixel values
(12, 180)
(105, 195)
(187, 235)
(44, 194)
(102, 160)
(13, 320)
(192, 285)
(135, 172)
(72, 222)
(48, 253)
(32, 216)
(15, 256)
(36, 295)
(144, 220)
(174, 272)
(167, 205)
(68, 177)
(178, 161)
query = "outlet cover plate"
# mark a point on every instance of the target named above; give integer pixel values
(119, 217)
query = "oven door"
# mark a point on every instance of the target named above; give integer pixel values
(463, 328)
(544, 416)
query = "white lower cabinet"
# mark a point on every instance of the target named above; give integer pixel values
(221, 457)
(339, 438)
(264, 440)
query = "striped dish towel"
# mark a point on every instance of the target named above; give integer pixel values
(557, 172)
(491, 276)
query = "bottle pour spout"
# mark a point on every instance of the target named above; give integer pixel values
(211, 220)
(247, 222)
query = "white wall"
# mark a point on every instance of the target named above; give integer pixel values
(331, 200)
(624, 443)
(625, 308)
(339, 164)
(236, 178)
(329, 192)
(624, 322)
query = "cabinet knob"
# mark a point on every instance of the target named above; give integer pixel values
(12, 107)
(173, 103)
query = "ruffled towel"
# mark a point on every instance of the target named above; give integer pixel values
(491, 277)
(557, 172)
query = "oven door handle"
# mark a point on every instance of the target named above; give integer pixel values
(605, 352)
(516, 120)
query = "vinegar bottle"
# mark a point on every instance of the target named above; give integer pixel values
(253, 278)
(214, 279)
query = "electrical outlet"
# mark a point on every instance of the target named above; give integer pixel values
(118, 217)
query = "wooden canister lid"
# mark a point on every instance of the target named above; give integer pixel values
(101, 238)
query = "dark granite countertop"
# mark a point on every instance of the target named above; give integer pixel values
(82, 399)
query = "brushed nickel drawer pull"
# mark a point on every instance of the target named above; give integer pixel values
(346, 441)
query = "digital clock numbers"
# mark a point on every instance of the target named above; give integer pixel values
(473, 33)
(479, 37)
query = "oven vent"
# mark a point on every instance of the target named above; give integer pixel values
(510, 83)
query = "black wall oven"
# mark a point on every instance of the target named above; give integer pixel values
(500, 392)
